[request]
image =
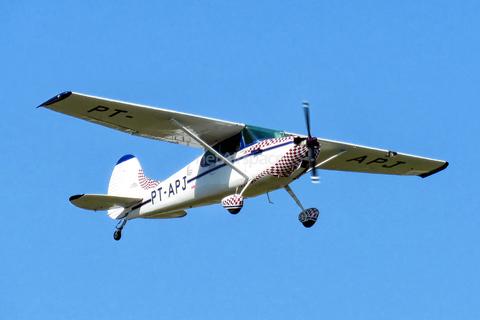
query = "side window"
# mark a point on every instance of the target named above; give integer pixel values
(229, 146)
(225, 148)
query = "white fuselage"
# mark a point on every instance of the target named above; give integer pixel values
(207, 179)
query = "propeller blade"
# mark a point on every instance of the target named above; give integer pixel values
(312, 143)
(306, 108)
(311, 159)
(312, 146)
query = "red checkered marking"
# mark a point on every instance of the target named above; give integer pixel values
(308, 214)
(268, 143)
(234, 200)
(288, 163)
(146, 183)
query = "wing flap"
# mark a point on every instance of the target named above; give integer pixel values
(144, 121)
(99, 202)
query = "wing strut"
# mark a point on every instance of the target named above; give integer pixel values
(331, 158)
(206, 146)
(326, 160)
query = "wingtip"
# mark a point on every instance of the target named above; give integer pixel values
(57, 98)
(427, 174)
(75, 197)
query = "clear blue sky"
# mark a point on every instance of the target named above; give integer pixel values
(399, 75)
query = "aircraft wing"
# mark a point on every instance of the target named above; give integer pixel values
(98, 202)
(141, 120)
(342, 156)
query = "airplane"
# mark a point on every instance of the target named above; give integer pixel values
(240, 161)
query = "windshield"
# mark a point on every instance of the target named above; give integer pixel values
(253, 134)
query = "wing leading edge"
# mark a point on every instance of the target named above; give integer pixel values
(144, 121)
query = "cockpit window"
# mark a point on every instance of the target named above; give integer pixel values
(226, 148)
(230, 145)
(253, 134)
(249, 135)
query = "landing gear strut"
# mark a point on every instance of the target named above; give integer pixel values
(307, 217)
(117, 235)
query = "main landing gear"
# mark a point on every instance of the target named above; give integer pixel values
(117, 235)
(234, 203)
(307, 217)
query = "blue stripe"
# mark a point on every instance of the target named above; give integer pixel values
(241, 158)
(206, 172)
(141, 204)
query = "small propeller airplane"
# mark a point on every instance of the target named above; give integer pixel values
(240, 161)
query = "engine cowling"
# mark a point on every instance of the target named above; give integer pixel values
(308, 217)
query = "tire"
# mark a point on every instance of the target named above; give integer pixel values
(117, 235)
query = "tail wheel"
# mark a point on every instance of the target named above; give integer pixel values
(117, 235)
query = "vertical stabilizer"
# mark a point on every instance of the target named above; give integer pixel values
(124, 181)
(128, 180)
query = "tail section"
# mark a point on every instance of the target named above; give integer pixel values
(124, 181)
(125, 190)
(128, 180)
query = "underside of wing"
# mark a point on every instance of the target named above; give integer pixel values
(99, 202)
(169, 215)
(144, 121)
(354, 158)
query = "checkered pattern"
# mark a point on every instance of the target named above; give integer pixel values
(146, 183)
(288, 163)
(268, 143)
(232, 201)
(308, 214)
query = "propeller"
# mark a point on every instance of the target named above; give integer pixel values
(312, 144)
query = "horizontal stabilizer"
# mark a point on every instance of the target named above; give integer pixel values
(99, 202)
(168, 215)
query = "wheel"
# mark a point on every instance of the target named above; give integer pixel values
(308, 217)
(117, 235)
